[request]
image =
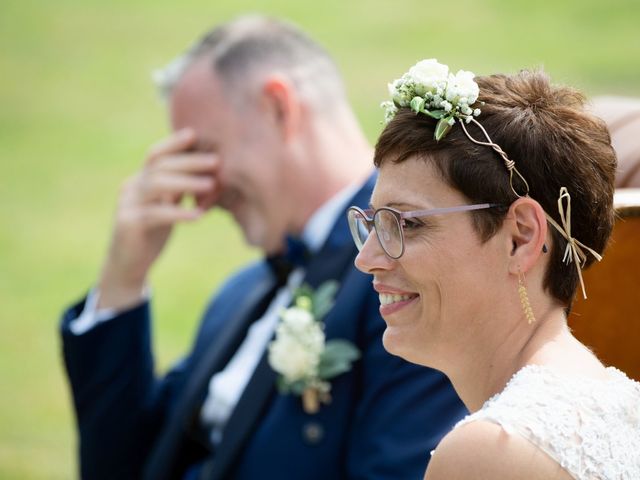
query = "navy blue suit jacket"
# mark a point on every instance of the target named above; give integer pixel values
(386, 415)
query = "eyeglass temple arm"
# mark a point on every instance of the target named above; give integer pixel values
(440, 211)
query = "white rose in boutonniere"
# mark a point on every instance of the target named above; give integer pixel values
(299, 353)
(300, 340)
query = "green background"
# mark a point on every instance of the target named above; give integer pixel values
(78, 112)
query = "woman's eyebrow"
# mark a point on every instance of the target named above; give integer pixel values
(407, 206)
(400, 205)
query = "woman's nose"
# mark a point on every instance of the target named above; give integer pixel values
(372, 257)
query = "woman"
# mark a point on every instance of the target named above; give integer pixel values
(492, 194)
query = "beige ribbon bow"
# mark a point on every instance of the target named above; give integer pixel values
(574, 251)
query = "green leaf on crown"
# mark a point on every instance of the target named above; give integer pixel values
(417, 104)
(437, 114)
(442, 128)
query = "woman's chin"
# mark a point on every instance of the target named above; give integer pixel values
(404, 345)
(397, 344)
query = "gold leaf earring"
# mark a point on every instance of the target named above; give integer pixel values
(524, 299)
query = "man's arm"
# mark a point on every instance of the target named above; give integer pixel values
(119, 404)
(110, 370)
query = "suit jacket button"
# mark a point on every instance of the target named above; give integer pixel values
(313, 433)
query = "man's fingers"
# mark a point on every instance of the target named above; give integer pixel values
(163, 186)
(188, 163)
(164, 215)
(179, 141)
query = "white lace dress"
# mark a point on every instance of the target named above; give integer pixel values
(590, 427)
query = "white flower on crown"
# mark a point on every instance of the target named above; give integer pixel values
(390, 110)
(428, 76)
(401, 91)
(462, 88)
(295, 353)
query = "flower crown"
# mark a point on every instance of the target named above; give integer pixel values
(430, 89)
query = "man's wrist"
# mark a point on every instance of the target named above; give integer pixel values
(91, 315)
(119, 293)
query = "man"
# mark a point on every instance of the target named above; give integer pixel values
(261, 128)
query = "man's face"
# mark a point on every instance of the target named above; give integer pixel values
(252, 178)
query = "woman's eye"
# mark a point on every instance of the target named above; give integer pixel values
(411, 224)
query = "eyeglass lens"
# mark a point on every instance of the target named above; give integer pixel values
(359, 228)
(387, 228)
(388, 231)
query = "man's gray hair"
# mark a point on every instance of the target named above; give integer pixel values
(249, 48)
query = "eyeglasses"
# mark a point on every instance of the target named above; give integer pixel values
(390, 223)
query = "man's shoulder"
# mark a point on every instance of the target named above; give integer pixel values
(238, 284)
(246, 275)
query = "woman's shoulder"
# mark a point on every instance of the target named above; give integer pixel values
(539, 394)
(483, 450)
(547, 410)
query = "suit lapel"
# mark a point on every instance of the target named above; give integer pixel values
(213, 359)
(335, 257)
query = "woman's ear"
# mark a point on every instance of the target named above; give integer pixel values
(282, 105)
(528, 230)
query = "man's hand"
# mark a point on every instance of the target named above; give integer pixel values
(149, 206)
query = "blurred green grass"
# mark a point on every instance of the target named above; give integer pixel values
(77, 113)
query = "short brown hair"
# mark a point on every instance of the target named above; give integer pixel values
(545, 129)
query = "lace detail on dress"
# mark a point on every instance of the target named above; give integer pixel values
(590, 427)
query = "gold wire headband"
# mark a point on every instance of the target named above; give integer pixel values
(508, 163)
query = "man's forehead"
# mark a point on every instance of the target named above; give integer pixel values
(197, 100)
(197, 79)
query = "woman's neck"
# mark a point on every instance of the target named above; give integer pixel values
(484, 371)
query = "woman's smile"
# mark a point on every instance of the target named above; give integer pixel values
(392, 299)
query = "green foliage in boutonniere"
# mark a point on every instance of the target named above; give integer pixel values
(301, 356)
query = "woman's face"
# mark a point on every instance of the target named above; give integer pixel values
(433, 297)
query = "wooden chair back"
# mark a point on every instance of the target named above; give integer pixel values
(609, 320)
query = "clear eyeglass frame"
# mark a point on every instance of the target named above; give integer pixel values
(389, 224)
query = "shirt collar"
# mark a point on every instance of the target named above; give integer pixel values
(317, 229)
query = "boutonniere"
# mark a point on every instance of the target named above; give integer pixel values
(299, 353)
